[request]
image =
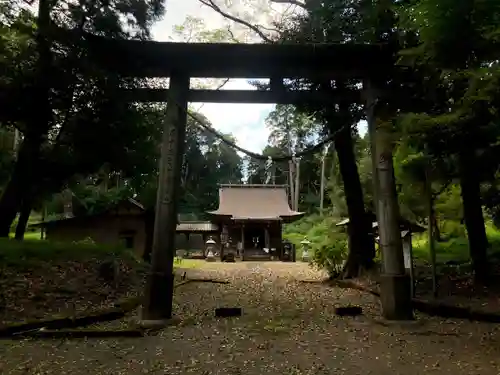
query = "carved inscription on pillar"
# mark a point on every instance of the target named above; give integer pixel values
(169, 153)
(172, 150)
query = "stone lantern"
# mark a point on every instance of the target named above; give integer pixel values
(306, 245)
(210, 248)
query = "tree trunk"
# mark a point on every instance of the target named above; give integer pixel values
(23, 219)
(44, 217)
(9, 205)
(20, 181)
(23, 176)
(473, 215)
(150, 224)
(435, 228)
(361, 243)
(322, 183)
(431, 219)
(296, 188)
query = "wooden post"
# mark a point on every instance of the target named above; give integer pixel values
(267, 239)
(242, 239)
(159, 290)
(408, 258)
(395, 284)
(44, 217)
(186, 245)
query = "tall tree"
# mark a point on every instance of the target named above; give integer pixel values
(76, 99)
(458, 42)
(336, 21)
(291, 132)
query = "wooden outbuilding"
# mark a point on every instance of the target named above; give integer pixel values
(123, 224)
(127, 223)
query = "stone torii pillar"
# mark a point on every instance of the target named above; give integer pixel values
(395, 284)
(157, 307)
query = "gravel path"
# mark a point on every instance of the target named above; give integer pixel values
(287, 327)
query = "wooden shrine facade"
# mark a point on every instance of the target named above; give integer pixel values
(251, 219)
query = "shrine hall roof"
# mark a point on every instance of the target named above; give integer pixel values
(255, 202)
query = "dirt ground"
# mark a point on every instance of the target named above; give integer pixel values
(62, 288)
(287, 327)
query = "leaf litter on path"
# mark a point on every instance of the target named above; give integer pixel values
(287, 327)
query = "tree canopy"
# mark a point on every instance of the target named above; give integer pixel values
(438, 111)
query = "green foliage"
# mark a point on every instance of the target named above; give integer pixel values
(85, 241)
(451, 46)
(330, 255)
(329, 247)
(454, 249)
(328, 243)
(447, 120)
(454, 246)
(188, 263)
(85, 123)
(296, 231)
(454, 33)
(93, 200)
(451, 229)
(194, 30)
(207, 163)
(30, 253)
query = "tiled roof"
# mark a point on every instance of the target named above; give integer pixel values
(257, 202)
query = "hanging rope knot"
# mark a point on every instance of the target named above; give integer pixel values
(325, 150)
(269, 164)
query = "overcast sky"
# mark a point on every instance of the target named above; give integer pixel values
(245, 121)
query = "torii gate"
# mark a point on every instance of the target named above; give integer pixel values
(182, 61)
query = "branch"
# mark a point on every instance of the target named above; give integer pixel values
(218, 88)
(233, 38)
(254, 28)
(222, 84)
(269, 29)
(292, 2)
(72, 86)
